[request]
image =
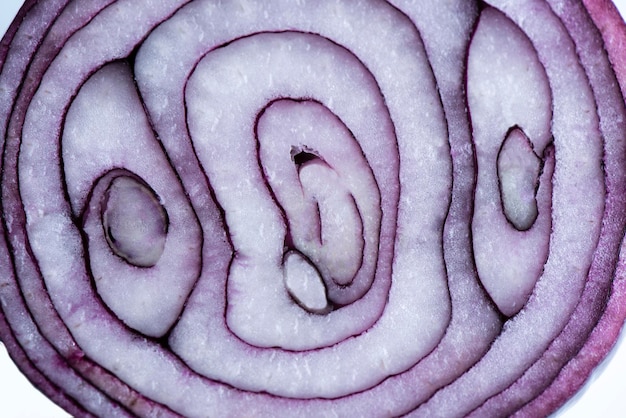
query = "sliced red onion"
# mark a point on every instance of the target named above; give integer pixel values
(330, 208)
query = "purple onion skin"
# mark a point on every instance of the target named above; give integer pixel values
(316, 209)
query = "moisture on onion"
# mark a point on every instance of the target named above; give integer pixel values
(312, 208)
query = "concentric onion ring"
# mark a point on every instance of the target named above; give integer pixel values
(311, 208)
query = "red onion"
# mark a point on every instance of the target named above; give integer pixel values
(312, 208)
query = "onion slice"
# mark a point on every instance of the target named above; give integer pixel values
(329, 208)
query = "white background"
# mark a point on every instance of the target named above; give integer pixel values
(603, 396)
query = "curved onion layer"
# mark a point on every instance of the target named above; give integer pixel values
(312, 208)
